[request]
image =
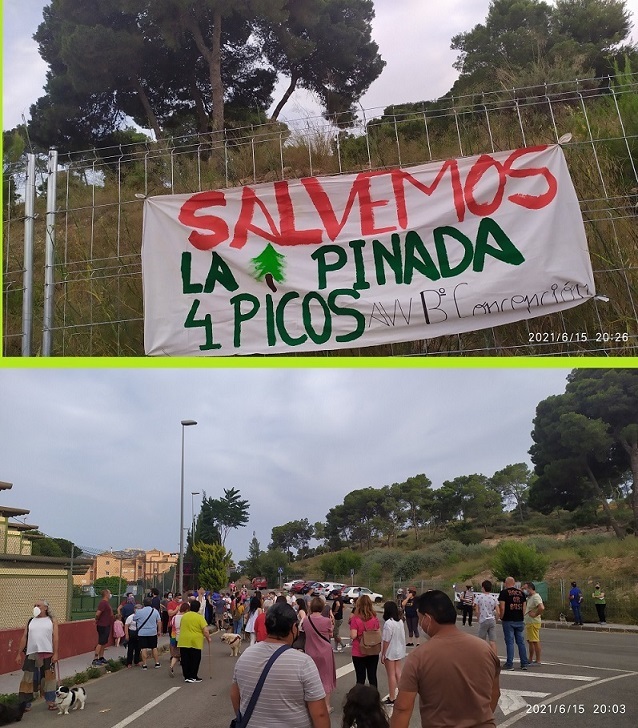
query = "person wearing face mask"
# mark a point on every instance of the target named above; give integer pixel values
(38, 653)
(598, 596)
(455, 674)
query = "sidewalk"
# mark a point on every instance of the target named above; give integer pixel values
(68, 667)
(591, 627)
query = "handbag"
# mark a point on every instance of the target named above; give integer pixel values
(370, 642)
(299, 642)
(241, 721)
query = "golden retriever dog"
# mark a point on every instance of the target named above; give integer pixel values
(233, 641)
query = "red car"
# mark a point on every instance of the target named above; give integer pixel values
(259, 582)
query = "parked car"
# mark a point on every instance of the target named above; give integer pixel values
(259, 582)
(297, 587)
(311, 586)
(289, 585)
(353, 592)
(330, 587)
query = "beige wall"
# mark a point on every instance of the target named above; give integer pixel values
(21, 587)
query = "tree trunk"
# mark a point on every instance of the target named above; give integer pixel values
(212, 56)
(216, 73)
(146, 105)
(632, 450)
(289, 91)
(601, 497)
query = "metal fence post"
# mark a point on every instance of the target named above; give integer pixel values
(49, 253)
(27, 276)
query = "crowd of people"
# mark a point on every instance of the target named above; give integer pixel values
(296, 637)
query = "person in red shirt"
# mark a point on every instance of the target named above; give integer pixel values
(103, 622)
(260, 627)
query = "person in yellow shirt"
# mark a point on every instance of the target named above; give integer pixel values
(192, 632)
(532, 619)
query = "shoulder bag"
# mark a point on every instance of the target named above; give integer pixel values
(241, 721)
(323, 637)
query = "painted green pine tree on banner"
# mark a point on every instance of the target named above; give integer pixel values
(269, 265)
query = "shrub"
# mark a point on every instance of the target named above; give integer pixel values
(516, 559)
(93, 672)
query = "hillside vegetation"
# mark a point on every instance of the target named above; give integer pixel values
(584, 555)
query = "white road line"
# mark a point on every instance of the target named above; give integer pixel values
(516, 718)
(511, 701)
(341, 671)
(145, 708)
(551, 676)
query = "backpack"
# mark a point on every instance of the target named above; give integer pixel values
(370, 642)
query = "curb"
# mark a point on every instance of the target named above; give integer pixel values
(621, 628)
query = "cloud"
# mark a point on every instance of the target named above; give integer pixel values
(96, 454)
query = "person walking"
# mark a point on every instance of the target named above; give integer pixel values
(511, 603)
(393, 648)
(533, 609)
(37, 654)
(575, 600)
(598, 595)
(318, 631)
(486, 609)
(467, 604)
(103, 622)
(337, 614)
(363, 619)
(193, 630)
(455, 675)
(148, 624)
(411, 617)
(293, 694)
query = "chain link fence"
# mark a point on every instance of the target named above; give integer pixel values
(73, 221)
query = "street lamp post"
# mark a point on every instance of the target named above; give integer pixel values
(184, 423)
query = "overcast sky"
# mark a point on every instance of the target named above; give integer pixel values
(95, 454)
(413, 37)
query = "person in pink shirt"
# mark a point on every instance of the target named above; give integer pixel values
(363, 618)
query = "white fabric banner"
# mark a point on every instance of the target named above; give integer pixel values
(364, 259)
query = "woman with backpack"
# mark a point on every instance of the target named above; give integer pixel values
(365, 632)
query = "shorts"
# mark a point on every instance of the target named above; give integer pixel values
(147, 643)
(533, 632)
(487, 630)
(337, 627)
(103, 634)
(174, 648)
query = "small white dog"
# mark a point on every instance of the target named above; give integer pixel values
(66, 698)
(233, 641)
(562, 617)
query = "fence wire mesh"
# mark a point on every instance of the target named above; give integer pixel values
(96, 286)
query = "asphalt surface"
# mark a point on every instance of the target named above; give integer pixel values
(587, 679)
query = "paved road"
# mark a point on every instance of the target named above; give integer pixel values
(588, 679)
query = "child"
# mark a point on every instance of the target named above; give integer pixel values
(118, 629)
(363, 709)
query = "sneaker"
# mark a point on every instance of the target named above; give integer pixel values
(144, 667)
(409, 644)
(197, 680)
(95, 663)
(157, 664)
(387, 701)
(172, 672)
(189, 680)
(523, 667)
(505, 666)
(102, 661)
(340, 648)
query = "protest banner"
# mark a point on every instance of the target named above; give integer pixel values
(364, 259)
